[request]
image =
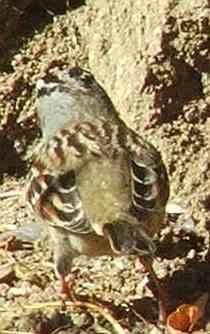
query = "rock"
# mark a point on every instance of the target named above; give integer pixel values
(7, 274)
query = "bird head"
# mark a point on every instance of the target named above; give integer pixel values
(68, 96)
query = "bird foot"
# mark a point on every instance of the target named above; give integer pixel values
(163, 304)
(163, 295)
(67, 289)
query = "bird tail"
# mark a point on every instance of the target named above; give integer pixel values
(129, 239)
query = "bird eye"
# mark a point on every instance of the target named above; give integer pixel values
(87, 80)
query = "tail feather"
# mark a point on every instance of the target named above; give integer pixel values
(129, 239)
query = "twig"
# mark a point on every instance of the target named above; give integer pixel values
(12, 332)
(10, 193)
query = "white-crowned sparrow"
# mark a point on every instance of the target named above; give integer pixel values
(99, 186)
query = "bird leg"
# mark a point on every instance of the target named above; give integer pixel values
(162, 292)
(67, 291)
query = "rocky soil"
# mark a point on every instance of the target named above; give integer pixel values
(153, 59)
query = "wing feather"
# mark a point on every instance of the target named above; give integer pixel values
(59, 202)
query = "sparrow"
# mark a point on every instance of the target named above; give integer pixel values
(100, 187)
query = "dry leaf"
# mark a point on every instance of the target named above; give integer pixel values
(186, 316)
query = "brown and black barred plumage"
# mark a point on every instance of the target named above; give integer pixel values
(99, 186)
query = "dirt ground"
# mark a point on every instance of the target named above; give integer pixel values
(153, 59)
